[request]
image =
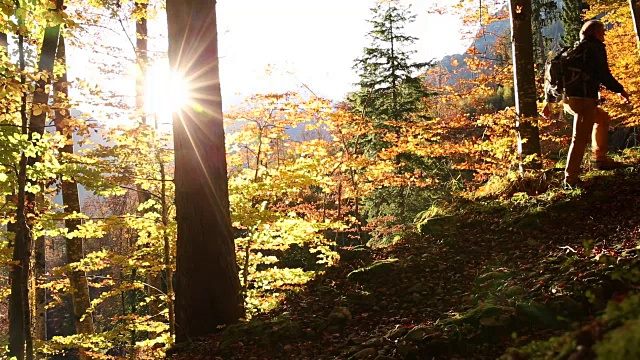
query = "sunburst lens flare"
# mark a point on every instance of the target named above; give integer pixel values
(167, 92)
(179, 92)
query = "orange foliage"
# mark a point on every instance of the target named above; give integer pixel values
(624, 60)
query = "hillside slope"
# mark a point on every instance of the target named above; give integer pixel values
(499, 273)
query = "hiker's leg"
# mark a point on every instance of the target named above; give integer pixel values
(600, 136)
(584, 112)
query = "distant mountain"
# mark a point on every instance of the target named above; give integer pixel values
(454, 68)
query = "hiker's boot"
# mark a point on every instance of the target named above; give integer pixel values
(607, 164)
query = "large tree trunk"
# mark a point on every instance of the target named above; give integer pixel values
(635, 14)
(525, 84)
(207, 283)
(78, 280)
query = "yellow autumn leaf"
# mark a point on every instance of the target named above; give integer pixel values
(37, 110)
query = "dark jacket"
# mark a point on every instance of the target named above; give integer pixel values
(597, 66)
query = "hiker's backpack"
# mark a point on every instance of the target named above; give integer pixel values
(567, 68)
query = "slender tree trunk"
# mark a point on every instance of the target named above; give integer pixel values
(167, 263)
(4, 43)
(339, 212)
(258, 155)
(41, 93)
(356, 208)
(394, 85)
(142, 58)
(80, 296)
(20, 340)
(154, 280)
(245, 269)
(207, 285)
(525, 84)
(325, 196)
(4, 50)
(40, 295)
(15, 313)
(167, 247)
(133, 296)
(635, 15)
(37, 125)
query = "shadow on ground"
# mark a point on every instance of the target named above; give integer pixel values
(496, 276)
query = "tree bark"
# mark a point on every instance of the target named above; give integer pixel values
(41, 95)
(207, 283)
(525, 84)
(36, 126)
(167, 248)
(80, 296)
(39, 294)
(4, 43)
(20, 340)
(154, 280)
(635, 15)
(142, 58)
(4, 50)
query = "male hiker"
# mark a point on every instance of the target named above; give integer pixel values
(581, 100)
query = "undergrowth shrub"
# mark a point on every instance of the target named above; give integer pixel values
(622, 343)
(530, 183)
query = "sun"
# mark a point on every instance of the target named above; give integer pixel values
(166, 92)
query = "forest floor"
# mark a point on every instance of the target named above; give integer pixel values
(480, 284)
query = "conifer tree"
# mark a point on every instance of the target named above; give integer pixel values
(571, 17)
(544, 13)
(390, 92)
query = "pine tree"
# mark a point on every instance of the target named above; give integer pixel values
(571, 17)
(390, 93)
(544, 13)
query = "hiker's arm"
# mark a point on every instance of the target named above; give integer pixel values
(603, 73)
(624, 95)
